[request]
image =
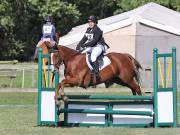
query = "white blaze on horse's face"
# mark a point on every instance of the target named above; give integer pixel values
(52, 63)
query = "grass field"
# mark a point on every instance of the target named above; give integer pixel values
(17, 83)
(28, 75)
(18, 111)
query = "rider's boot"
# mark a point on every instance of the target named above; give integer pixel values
(55, 47)
(96, 69)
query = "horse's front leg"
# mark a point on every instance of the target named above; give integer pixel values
(57, 91)
(64, 98)
(62, 87)
(67, 81)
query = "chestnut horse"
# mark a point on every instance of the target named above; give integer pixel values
(46, 46)
(123, 70)
(45, 50)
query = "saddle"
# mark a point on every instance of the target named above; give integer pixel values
(102, 61)
(99, 61)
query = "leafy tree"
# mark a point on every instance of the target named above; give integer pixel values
(126, 5)
(175, 5)
(21, 22)
(6, 25)
(99, 8)
(65, 14)
(16, 27)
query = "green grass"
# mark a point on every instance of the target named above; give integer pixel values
(27, 79)
(4, 82)
(21, 120)
(18, 98)
(17, 83)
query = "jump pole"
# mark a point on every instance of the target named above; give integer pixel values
(47, 110)
(165, 98)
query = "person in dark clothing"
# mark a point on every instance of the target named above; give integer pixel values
(93, 42)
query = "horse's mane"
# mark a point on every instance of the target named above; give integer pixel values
(72, 52)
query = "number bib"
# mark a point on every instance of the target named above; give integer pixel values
(89, 36)
(47, 29)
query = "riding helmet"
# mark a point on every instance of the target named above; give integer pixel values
(92, 18)
(48, 19)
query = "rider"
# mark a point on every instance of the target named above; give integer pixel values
(48, 32)
(93, 41)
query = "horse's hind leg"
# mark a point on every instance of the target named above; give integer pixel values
(135, 88)
(133, 92)
(132, 85)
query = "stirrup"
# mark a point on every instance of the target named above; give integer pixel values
(96, 70)
(98, 78)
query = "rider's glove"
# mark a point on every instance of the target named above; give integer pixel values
(78, 47)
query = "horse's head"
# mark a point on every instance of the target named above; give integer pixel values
(45, 45)
(63, 55)
(57, 60)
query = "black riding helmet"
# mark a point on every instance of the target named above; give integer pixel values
(92, 18)
(48, 19)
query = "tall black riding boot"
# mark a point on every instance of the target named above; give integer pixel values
(96, 68)
(55, 47)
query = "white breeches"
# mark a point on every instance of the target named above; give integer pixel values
(87, 50)
(96, 51)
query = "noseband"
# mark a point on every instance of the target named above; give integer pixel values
(56, 65)
(59, 62)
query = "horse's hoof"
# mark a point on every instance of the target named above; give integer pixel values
(55, 98)
(58, 103)
(65, 99)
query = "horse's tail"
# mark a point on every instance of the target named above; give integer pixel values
(137, 66)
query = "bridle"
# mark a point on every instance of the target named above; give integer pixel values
(48, 46)
(59, 62)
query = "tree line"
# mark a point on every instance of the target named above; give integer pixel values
(21, 20)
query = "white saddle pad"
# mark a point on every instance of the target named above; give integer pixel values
(106, 62)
